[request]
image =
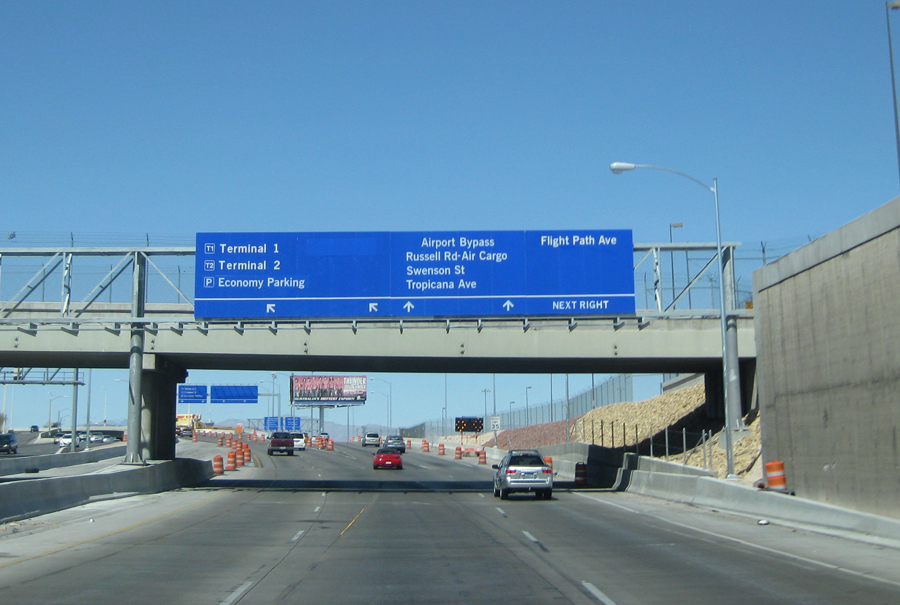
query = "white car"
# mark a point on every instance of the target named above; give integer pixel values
(66, 440)
(299, 441)
(371, 439)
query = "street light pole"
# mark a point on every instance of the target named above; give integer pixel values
(888, 6)
(526, 406)
(729, 375)
(485, 391)
(390, 400)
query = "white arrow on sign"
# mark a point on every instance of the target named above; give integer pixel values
(409, 306)
(373, 307)
(270, 307)
(508, 305)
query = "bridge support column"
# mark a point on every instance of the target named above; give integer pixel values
(160, 382)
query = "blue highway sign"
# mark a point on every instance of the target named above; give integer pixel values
(414, 274)
(234, 394)
(192, 393)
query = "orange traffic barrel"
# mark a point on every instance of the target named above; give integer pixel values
(219, 441)
(775, 476)
(194, 437)
(254, 436)
(425, 447)
(440, 449)
(125, 438)
(458, 455)
(247, 456)
(330, 445)
(228, 441)
(580, 473)
(482, 457)
(239, 457)
(409, 444)
(232, 462)
(548, 460)
(218, 469)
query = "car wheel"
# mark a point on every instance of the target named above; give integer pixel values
(496, 492)
(548, 494)
(270, 452)
(504, 494)
(290, 452)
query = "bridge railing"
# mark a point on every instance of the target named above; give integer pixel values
(78, 283)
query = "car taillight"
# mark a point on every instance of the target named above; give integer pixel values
(509, 471)
(546, 471)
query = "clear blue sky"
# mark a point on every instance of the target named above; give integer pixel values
(170, 118)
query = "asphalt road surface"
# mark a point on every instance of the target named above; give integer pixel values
(324, 527)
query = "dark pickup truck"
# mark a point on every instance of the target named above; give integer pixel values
(281, 442)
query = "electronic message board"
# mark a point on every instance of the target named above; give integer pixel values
(414, 274)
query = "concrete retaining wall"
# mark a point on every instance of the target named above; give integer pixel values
(28, 498)
(828, 346)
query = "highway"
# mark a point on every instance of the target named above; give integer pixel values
(324, 527)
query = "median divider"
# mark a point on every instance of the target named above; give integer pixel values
(23, 499)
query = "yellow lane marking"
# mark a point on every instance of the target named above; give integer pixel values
(354, 521)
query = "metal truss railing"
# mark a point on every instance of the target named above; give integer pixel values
(109, 287)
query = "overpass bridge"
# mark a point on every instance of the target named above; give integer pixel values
(115, 310)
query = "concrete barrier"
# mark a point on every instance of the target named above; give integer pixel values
(28, 498)
(781, 508)
(19, 465)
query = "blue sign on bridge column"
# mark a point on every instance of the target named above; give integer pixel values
(414, 274)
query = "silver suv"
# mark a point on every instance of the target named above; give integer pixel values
(371, 439)
(523, 471)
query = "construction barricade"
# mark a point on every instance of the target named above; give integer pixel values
(580, 473)
(775, 478)
(218, 466)
(440, 449)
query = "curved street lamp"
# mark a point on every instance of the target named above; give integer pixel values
(727, 374)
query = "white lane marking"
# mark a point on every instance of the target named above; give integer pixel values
(482, 495)
(530, 537)
(297, 537)
(237, 593)
(599, 595)
(318, 508)
(858, 574)
(323, 493)
(320, 475)
(500, 510)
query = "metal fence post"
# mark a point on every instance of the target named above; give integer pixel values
(684, 444)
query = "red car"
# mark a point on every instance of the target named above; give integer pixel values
(387, 457)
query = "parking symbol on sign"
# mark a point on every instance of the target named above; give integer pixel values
(208, 282)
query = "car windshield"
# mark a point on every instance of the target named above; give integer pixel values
(526, 461)
(5, 438)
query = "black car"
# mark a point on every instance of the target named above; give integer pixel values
(35, 428)
(9, 443)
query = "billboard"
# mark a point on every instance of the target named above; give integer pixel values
(186, 419)
(328, 388)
